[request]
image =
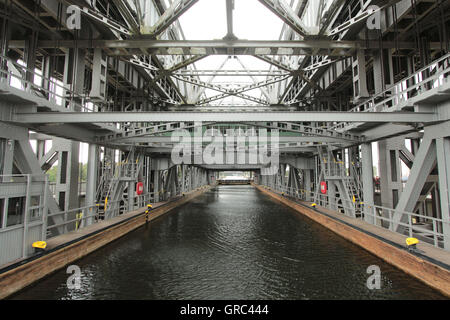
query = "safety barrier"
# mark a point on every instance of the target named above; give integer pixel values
(427, 228)
(430, 77)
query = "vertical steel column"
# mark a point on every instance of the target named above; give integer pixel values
(99, 75)
(30, 58)
(156, 185)
(45, 211)
(389, 167)
(8, 157)
(307, 182)
(443, 159)
(367, 181)
(67, 177)
(91, 183)
(423, 164)
(332, 195)
(359, 76)
(26, 217)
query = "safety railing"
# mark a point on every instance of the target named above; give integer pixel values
(81, 188)
(78, 218)
(52, 90)
(48, 89)
(429, 229)
(333, 168)
(430, 77)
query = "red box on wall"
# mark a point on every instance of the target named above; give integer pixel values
(139, 188)
(323, 187)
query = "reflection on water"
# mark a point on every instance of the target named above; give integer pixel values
(231, 243)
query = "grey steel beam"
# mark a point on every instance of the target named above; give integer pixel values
(443, 158)
(387, 131)
(113, 25)
(231, 73)
(287, 14)
(274, 62)
(424, 162)
(230, 7)
(361, 16)
(172, 14)
(156, 139)
(127, 14)
(309, 130)
(185, 63)
(223, 47)
(120, 117)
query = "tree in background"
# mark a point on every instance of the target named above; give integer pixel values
(53, 172)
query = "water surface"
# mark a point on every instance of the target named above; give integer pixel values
(231, 243)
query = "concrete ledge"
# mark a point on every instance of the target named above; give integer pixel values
(66, 249)
(425, 271)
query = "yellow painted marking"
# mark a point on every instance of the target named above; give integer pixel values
(78, 223)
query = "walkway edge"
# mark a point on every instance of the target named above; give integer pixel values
(423, 270)
(26, 274)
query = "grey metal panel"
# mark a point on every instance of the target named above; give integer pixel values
(18, 189)
(13, 189)
(11, 245)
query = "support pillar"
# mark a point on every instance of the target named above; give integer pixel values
(307, 175)
(443, 159)
(156, 185)
(359, 76)
(367, 181)
(91, 183)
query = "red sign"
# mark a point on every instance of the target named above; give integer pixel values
(139, 188)
(323, 187)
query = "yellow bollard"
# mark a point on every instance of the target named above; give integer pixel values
(39, 246)
(412, 243)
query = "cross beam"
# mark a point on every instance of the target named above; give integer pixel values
(329, 48)
(224, 117)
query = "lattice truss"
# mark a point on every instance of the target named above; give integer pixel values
(182, 72)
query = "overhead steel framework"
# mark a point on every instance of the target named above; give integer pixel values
(348, 86)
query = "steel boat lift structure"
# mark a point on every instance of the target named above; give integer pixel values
(126, 79)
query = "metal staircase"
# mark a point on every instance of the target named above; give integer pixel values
(113, 191)
(348, 194)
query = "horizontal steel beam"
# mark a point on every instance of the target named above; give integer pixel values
(224, 117)
(232, 73)
(153, 139)
(222, 47)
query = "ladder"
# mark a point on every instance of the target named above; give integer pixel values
(113, 193)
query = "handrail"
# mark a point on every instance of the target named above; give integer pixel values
(411, 77)
(401, 94)
(371, 210)
(52, 93)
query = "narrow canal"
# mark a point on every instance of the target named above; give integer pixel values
(231, 243)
